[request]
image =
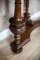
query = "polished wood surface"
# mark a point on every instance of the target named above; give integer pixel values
(21, 26)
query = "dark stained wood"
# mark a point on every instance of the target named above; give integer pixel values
(25, 37)
(17, 25)
(21, 27)
(27, 14)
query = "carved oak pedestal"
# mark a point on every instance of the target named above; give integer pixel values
(21, 27)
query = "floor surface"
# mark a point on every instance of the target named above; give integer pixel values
(31, 51)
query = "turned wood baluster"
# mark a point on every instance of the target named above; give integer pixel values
(21, 27)
(26, 3)
(17, 18)
(17, 25)
(27, 15)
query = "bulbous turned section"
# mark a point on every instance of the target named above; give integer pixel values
(17, 23)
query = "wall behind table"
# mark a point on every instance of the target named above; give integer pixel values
(7, 11)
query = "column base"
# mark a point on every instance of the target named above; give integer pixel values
(14, 48)
(25, 37)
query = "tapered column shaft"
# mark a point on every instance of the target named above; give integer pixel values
(18, 10)
(17, 25)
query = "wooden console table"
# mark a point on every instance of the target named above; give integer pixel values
(21, 26)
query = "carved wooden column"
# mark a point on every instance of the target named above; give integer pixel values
(27, 15)
(21, 27)
(17, 26)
